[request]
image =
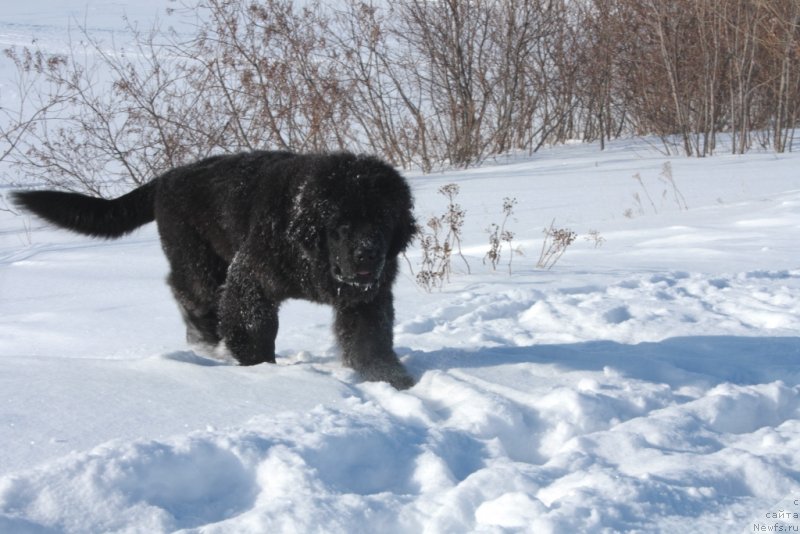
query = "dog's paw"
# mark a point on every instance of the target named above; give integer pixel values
(391, 372)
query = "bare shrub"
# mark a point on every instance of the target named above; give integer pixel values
(438, 243)
(435, 263)
(431, 84)
(637, 198)
(19, 124)
(670, 189)
(453, 220)
(498, 234)
(670, 186)
(426, 84)
(556, 241)
(686, 70)
(593, 236)
(255, 76)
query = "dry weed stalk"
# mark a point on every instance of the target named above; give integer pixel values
(440, 241)
(498, 234)
(556, 241)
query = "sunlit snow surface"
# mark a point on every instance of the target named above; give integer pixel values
(649, 383)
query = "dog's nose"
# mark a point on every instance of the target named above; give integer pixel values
(365, 251)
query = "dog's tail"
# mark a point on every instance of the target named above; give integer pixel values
(97, 217)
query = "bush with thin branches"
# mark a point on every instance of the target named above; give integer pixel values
(555, 244)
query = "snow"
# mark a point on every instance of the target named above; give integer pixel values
(650, 383)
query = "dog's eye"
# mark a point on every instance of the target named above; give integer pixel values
(340, 232)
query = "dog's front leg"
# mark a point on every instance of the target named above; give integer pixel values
(248, 318)
(364, 332)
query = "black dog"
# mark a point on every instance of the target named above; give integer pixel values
(245, 232)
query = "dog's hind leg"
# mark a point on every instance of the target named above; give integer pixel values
(197, 298)
(201, 324)
(248, 318)
(196, 276)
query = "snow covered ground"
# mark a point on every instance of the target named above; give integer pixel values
(651, 383)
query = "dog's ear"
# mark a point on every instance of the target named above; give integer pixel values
(306, 234)
(404, 231)
(307, 220)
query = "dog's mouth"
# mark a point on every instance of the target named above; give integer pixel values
(364, 279)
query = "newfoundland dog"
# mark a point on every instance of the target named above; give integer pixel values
(245, 232)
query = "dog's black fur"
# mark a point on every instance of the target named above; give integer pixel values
(245, 232)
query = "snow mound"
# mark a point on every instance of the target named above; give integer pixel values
(586, 436)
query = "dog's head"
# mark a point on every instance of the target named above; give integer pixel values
(353, 215)
(357, 254)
